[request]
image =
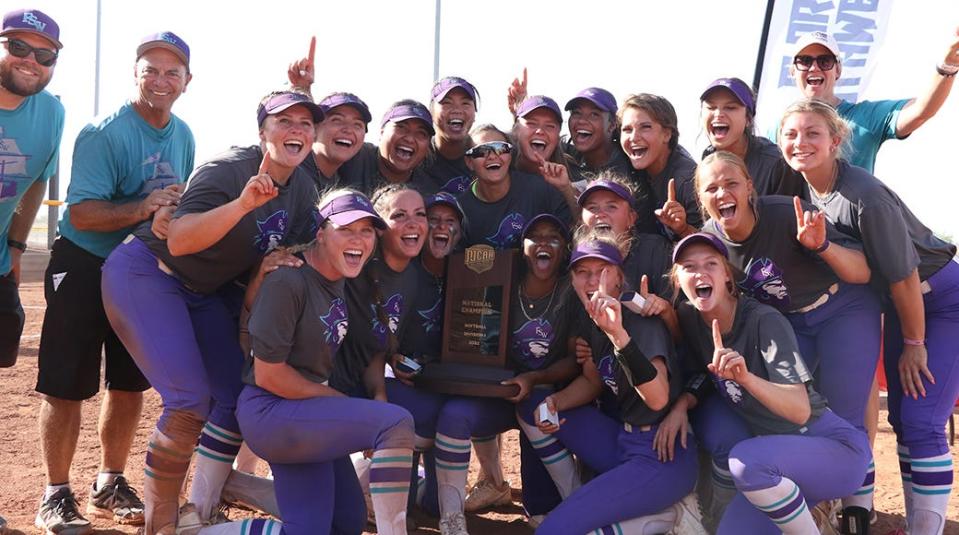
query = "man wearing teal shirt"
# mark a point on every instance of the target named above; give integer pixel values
(128, 167)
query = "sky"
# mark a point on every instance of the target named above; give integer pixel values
(383, 51)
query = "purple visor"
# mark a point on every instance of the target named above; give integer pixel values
(444, 86)
(446, 199)
(346, 99)
(603, 99)
(402, 112)
(739, 89)
(605, 185)
(284, 100)
(700, 237)
(345, 209)
(601, 250)
(536, 102)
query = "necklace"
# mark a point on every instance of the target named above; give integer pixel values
(523, 306)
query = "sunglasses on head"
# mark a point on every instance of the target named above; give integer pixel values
(825, 62)
(21, 49)
(481, 151)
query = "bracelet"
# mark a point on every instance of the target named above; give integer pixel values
(913, 342)
(17, 245)
(947, 69)
(822, 248)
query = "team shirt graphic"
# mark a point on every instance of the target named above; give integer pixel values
(607, 370)
(392, 308)
(457, 185)
(160, 176)
(271, 231)
(764, 283)
(508, 232)
(431, 317)
(336, 323)
(531, 342)
(13, 165)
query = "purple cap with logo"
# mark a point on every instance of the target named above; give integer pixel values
(346, 99)
(739, 89)
(446, 199)
(445, 85)
(536, 102)
(286, 99)
(700, 237)
(557, 222)
(32, 21)
(606, 185)
(603, 99)
(406, 110)
(347, 208)
(166, 40)
(604, 251)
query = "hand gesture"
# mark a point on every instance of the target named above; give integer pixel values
(158, 198)
(161, 221)
(260, 188)
(655, 305)
(727, 363)
(675, 423)
(912, 368)
(547, 427)
(525, 385)
(810, 227)
(516, 93)
(672, 214)
(280, 256)
(555, 174)
(605, 310)
(301, 72)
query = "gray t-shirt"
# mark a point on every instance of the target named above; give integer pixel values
(423, 336)
(619, 398)
(322, 182)
(540, 328)
(362, 173)
(500, 223)
(451, 176)
(288, 219)
(580, 173)
(652, 192)
(299, 318)
(776, 269)
(650, 255)
(768, 344)
(368, 333)
(894, 240)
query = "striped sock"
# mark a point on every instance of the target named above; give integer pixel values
(723, 490)
(558, 460)
(214, 462)
(167, 463)
(863, 496)
(905, 473)
(931, 487)
(785, 505)
(452, 463)
(487, 453)
(249, 526)
(389, 487)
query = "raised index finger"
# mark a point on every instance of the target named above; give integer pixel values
(671, 194)
(603, 281)
(524, 77)
(312, 53)
(265, 164)
(717, 335)
(797, 204)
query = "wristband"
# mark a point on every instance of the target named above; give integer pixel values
(17, 245)
(822, 248)
(913, 341)
(638, 368)
(698, 386)
(947, 69)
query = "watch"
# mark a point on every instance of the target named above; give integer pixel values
(17, 244)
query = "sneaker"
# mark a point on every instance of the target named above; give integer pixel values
(486, 494)
(116, 501)
(689, 516)
(250, 492)
(59, 515)
(188, 521)
(453, 524)
(824, 514)
(3, 525)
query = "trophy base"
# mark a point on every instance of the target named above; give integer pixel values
(466, 380)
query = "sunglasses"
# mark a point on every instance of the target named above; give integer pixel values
(481, 151)
(21, 49)
(825, 62)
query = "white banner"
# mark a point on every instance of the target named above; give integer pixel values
(859, 27)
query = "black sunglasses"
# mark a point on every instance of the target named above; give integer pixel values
(804, 63)
(21, 49)
(481, 151)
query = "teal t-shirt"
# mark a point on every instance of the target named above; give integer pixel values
(121, 158)
(29, 149)
(870, 123)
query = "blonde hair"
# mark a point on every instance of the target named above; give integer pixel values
(726, 157)
(834, 123)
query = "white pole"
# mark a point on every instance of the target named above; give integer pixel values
(436, 43)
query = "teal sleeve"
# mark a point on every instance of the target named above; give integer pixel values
(51, 166)
(96, 167)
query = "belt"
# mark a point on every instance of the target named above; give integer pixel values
(820, 301)
(925, 287)
(639, 429)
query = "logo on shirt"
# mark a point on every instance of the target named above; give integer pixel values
(508, 232)
(271, 231)
(531, 342)
(13, 164)
(457, 185)
(607, 371)
(392, 308)
(764, 282)
(432, 316)
(336, 324)
(160, 176)
(731, 390)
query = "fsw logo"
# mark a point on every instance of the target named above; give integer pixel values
(764, 282)
(391, 309)
(271, 231)
(32, 20)
(336, 323)
(607, 370)
(508, 231)
(531, 342)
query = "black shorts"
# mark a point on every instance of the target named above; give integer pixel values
(76, 331)
(11, 321)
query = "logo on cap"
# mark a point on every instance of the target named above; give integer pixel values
(32, 20)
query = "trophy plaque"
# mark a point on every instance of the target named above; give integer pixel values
(473, 356)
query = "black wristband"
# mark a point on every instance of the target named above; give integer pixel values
(699, 386)
(17, 245)
(638, 368)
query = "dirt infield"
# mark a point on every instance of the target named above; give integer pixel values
(22, 478)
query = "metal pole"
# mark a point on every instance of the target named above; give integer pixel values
(53, 205)
(436, 43)
(96, 76)
(757, 77)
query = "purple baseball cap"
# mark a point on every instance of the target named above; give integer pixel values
(32, 21)
(347, 208)
(282, 100)
(166, 40)
(562, 226)
(346, 99)
(408, 110)
(446, 199)
(607, 185)
(700, 237)
(739, 89)
(603, 99)
(536, 102)
(596, 249)
(445, 85)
